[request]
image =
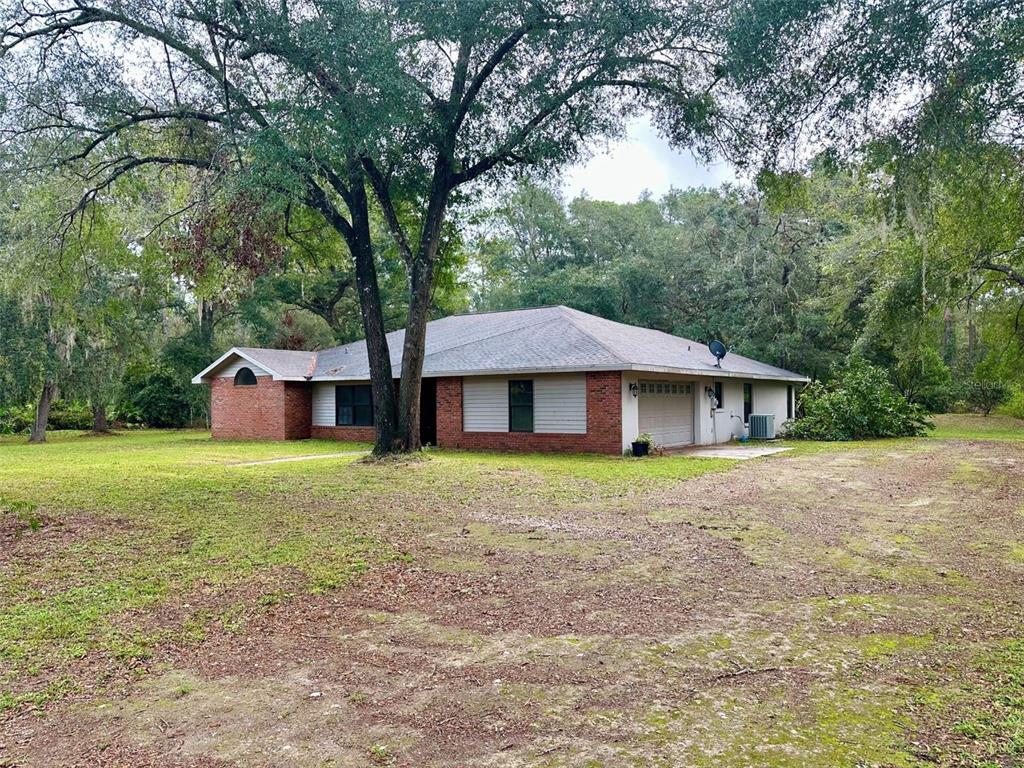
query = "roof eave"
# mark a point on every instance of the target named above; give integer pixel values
(706, 373)
(203, 376)
(720, 373)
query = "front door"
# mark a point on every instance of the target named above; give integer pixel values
(428, 412)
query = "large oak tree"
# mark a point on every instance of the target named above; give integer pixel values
(409, 106)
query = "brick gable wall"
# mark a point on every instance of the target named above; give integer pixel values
(270, 410)
(604, 422)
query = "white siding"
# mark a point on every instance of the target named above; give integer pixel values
(485, 404)
(730, 418)
(770, 397)
(323, 404)
(630, 410)
(230, 369)
(559, 403)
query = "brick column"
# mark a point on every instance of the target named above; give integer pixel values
(449, 412)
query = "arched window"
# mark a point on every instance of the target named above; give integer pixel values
(245, 378)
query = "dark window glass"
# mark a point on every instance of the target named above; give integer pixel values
(520, 406)
(245, 378)
(354, 403)
(719, 395)
(789, 402)
(748, 401)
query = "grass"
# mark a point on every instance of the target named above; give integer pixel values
(807, 609)
(125, 523)
(970, 426)
(995, 728)
(111, 528)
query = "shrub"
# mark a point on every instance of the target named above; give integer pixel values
(860, 402)
(16, 419)
(1014, 406)
(159, 400)
(65, 415)
(924, 379)
(984, 394)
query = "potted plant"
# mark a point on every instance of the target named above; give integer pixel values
(642, 444)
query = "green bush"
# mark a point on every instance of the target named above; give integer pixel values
(984, 394)
(16, 419)
(924, 379)
(65, 415)
(860, 402)
(1014, 406)
(158, 399)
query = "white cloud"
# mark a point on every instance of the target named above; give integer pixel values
(641, 161)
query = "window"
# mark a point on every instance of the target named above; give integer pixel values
(748, 401)
(719, 394)
(789, 402)
(245, 378)
(520, 406)
(354, 405)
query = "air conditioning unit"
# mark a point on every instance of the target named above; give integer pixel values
(762, 426)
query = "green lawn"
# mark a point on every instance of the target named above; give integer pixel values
(164, 598)
(143, 518)
(969, 426)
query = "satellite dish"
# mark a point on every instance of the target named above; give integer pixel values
(718, 350)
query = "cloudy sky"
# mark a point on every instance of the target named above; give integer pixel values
(622, 170)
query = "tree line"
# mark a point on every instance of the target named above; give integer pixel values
(179, 173)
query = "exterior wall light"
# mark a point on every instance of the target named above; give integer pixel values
(634, 390)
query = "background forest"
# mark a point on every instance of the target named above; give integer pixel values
(802, 270)
(244, 174)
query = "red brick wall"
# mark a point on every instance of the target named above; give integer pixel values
(604, 422)
(271, 410)
(358, 434)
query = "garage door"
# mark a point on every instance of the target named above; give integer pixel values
(666, 411)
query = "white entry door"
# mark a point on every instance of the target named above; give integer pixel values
(666, 411)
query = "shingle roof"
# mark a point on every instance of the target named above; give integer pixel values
(285, 362)
(544, 339)
(522, 340)
(281, 363)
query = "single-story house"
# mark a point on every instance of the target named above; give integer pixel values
(543, 379)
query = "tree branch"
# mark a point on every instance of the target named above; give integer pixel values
(381, 190)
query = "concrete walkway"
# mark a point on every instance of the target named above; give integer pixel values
(296, 458)
(740, 452)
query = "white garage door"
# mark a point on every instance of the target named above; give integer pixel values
(666, 411)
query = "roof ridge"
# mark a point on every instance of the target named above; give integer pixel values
(499, 311)
(654, 330)
(484, 338)
(460, 314)
(587, 333)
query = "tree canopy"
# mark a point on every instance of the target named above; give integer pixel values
(297, 175)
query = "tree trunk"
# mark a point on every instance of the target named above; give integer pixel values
(972, 335)
(421, 286)
(46, 398)
(206, 318)
(99, 419)
(379, 356)
(948, 337)
(413, 353)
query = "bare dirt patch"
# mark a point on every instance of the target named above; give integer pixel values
(802, 610)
